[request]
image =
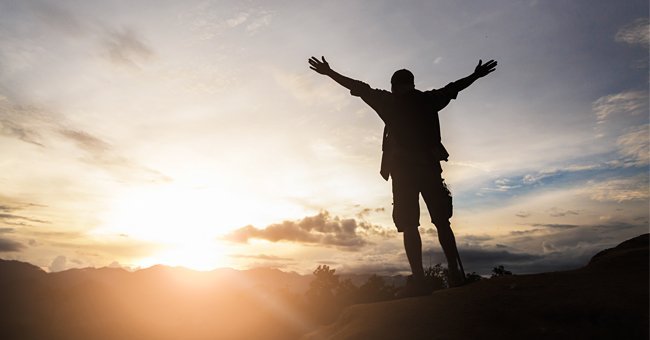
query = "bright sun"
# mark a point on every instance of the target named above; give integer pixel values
(186, 222)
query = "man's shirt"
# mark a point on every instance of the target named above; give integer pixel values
(412, 133)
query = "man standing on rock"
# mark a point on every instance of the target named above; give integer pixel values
(412, 151)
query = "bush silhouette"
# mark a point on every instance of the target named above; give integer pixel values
(499, 271)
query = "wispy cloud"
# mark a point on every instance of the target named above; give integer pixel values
(629, 102)
(100, 153)
(23, 122)
(634, 145)
(555, 225)
(557, 212)
(125, 47)
(38, 126)
(12, 213)
(635, 33)
(211, 19)
(619, 189)
(523, 214)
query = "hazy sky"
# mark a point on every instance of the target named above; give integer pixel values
(193, 133)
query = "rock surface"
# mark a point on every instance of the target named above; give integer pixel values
(607, 299)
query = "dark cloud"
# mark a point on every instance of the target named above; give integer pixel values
(7, 245)
(522, 214)
(126, 48)
(475, 238)
(10, 213)
(6, 230)
(525, 232)
(321, 229)
(555, 226)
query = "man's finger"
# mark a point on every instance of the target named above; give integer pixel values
(480, 62)
(313, 68)
(323, 57)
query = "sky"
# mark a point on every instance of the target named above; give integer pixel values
(193, 133)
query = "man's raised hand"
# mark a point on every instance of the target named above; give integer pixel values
(482, 70)
(321, 67)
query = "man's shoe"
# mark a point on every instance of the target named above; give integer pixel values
(456, 278)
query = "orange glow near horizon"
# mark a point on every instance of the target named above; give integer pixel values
(187, 222)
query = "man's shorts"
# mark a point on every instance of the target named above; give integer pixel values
(411, 181)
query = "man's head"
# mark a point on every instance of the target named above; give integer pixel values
(402, 81)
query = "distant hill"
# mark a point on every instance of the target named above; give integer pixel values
(607, 299)
(154, 303)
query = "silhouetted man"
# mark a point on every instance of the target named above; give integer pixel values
(412, 151)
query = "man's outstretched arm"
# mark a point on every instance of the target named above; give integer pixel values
(322, 67)
(480, 71)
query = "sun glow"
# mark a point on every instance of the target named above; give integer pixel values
(186, 221)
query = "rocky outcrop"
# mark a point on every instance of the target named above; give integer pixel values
(607, 299)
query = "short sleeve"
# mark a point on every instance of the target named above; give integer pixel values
(360, 89)
(441, 97)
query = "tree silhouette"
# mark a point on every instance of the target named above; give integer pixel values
(499, 271)
(324, 285)
(473, 277)
(375, 289)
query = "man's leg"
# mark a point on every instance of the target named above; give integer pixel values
(438, 200)
(448, 243)
(413, 247)
(406, 215)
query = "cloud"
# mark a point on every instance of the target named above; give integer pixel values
(85, 140)
(263, 19)
(57, 17)
(634, 145)
(209, 19)
(58, 264)
(635, 33)
(32, 124)
(10, 213)
(555, 225)
(262, 257)
(523, 214)
(21, 121)
(619, 189)
(7, 246)
(321, 229)
(367, 211)
(623, 103)
(101, 153)
(124, 47)
(556, 212)
(483, 259)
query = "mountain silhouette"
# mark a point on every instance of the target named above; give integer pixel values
(607, 299)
